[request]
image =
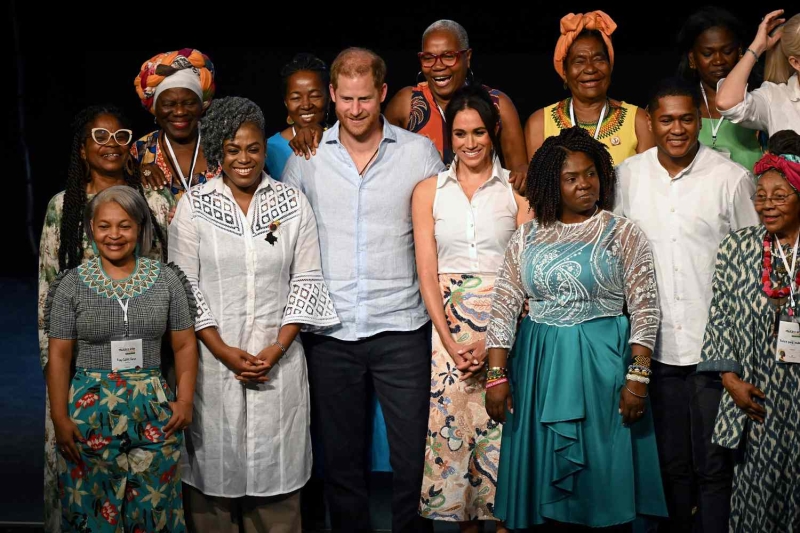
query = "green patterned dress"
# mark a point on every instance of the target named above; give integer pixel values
(738, 338)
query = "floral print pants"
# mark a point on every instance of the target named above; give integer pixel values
(128, 478)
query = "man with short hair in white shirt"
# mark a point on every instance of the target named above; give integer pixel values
(685, 197)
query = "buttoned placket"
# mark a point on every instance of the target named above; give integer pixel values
(675, 228)
(472, 215)
(361, 245)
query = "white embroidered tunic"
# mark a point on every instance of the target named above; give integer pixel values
(250, 439)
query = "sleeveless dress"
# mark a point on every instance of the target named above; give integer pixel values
(566, 454)
(463, 446)
(618, 131)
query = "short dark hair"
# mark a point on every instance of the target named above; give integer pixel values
(784, 142)
(475, 97)
(698, 22)
(305, 62)
(543, 189)
(673, 86)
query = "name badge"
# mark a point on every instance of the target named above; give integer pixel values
(788, 349)
(126, 354)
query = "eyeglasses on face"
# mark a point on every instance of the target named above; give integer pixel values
(449, 58)
(102, 136)
(777, 199)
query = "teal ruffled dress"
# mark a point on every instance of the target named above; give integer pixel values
(566, 455)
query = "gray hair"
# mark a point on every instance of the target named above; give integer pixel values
(130, 200)
(453, 27)
(222, 120)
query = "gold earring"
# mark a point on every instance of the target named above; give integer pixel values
(289, 120)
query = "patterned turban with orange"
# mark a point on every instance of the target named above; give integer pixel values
(184, 65)
(572, 25)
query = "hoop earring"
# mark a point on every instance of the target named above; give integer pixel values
(289, 120)
(565, 86)
(130, 166)
(420, 74)
(470, 80)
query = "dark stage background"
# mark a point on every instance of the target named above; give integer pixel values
(78, 54)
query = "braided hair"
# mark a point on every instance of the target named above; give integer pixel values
(543, 189)
(305, 62)
(70, 249)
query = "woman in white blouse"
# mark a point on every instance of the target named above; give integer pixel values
(463, 219)
(774, 106)
(249, 246)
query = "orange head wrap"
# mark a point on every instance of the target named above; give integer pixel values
(572, 25)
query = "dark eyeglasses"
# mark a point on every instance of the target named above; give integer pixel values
(448, 58)
(102, 136)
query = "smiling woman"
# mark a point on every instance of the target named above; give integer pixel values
(445, 66)
(584, 59)
(249, 247)
(305, 90)
(176, 87)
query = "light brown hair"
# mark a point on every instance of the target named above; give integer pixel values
(354, 62)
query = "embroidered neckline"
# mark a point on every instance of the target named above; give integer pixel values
(143, 277)
(611, 125)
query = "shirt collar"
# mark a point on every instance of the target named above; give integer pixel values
(794, 88)
(450, 173)
(701, 150)
(388, 132)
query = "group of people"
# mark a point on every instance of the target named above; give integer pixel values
(566, 325)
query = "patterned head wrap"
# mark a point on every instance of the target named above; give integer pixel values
(788, 165)
(572, 25)
(159, 68)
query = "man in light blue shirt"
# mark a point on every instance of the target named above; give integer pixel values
(359, 184)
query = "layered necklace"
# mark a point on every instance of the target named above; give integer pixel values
(778, 296)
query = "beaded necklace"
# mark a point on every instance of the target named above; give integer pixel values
(779, 295)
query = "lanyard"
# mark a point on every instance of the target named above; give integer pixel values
(124, 306)
(714, 127)
(186, 186)
(786, 264)
(599, 120)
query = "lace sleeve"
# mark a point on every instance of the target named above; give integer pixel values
(641, 291)
(509, 295)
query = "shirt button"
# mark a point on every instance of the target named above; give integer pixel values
(674, 239)
(472, 245)
(678, 298)
(677, 269)
(677, 327)
(672, 210)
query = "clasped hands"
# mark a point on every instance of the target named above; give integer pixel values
(468, 358)
(251, 368)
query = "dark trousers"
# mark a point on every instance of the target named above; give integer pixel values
(695, 471)
(342, 373)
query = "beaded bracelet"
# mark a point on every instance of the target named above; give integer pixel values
(639, 371)
(496, 372)
(495, 382)
(752, 52)
(636, 377)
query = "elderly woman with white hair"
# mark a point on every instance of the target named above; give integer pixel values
(250, 249)
(118, 426)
